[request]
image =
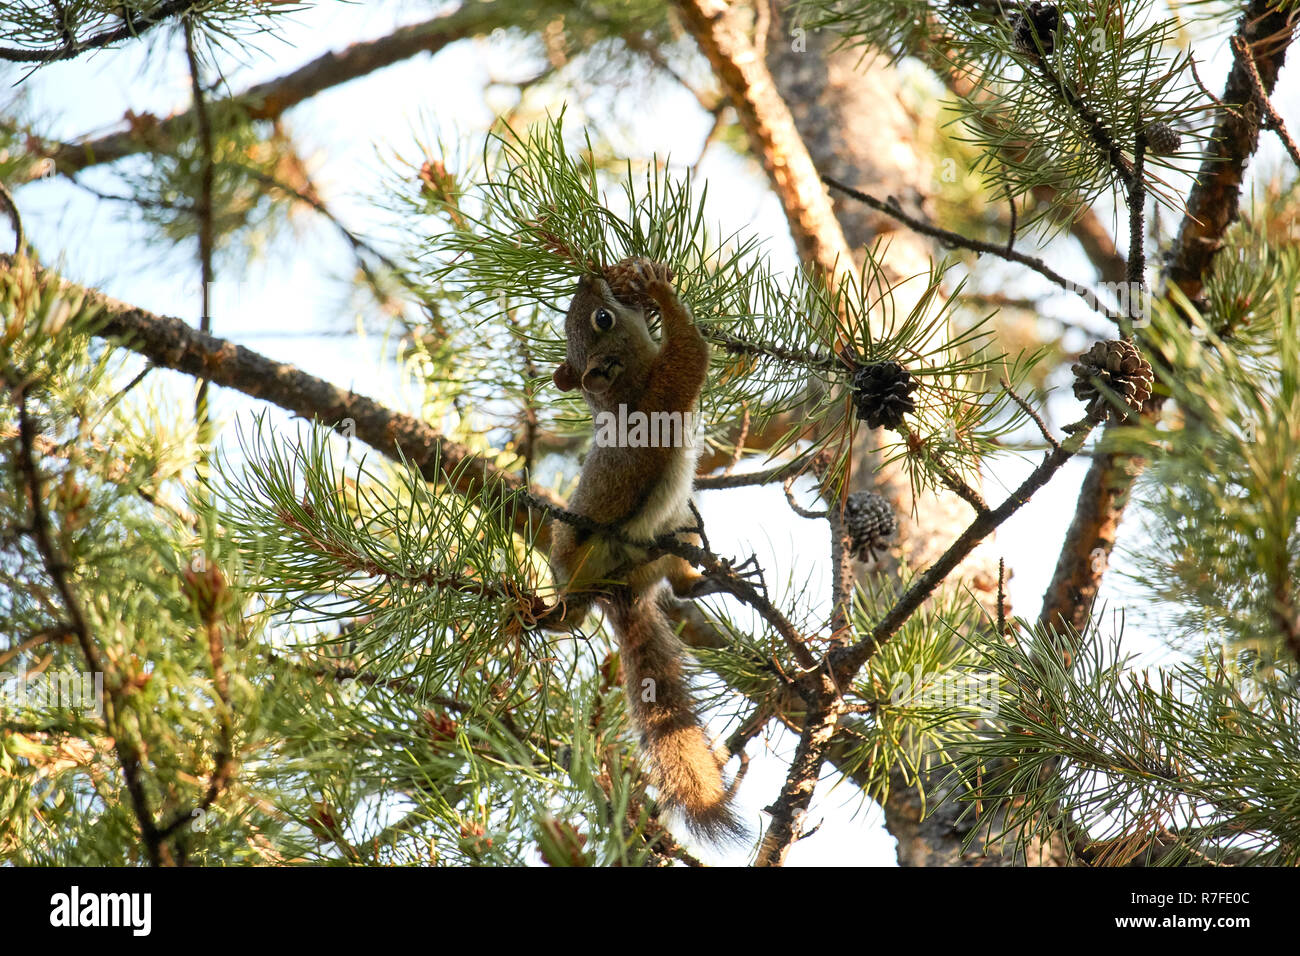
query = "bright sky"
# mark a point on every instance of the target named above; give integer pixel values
(282, 305)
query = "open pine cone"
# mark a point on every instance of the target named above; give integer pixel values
(624, 280)
(1111, 373)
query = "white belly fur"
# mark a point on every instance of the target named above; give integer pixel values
(668, 507)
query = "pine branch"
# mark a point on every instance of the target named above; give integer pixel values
(1032, 413)
(56, 567)
(950, 479)
(746, 479)
(1272, 119)
(796, 795)
(133, 25)
(1097, 131)
(15, 217)
(1085, 225)
(735, 345)
(203, 212)
(956, 240)
(846, 662)
(1136, 199)
(270, 100)
(1212, 206)
(170, 343)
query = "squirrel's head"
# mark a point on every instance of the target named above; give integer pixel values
(610, 348)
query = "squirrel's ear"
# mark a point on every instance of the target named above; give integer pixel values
(564, 377)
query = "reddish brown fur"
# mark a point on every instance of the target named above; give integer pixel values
(643, 491)
(685, 769)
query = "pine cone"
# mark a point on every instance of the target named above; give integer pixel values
(883, 394)
(1112, 368)
(870, 522)
(625, 281)
(1039, 20)
(1162, 139)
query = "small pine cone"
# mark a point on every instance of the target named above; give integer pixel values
(1162, 139)
(625, 280)
(1121, 369)
(435, 181)
(883, 394)
(1039, 20)
(870, 523)
(438, 187)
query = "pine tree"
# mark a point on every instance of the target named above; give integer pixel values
(260, 641)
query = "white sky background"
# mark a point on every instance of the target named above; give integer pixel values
(287, 301)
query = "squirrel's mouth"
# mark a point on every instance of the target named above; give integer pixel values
(601, 373)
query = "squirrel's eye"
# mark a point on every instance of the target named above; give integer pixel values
(602, 320)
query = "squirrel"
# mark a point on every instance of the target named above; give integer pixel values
(641, 490)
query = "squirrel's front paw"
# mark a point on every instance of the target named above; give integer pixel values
(640, 280)
(648, 271)
(654, 281)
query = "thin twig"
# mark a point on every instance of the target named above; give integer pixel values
(132, 26)
(951, 480)
(203, 213)
(11, 209)
(1011, 231)
(738, 452)
(738, 346)
(1002, 598)
(788, 487)
(57, 632)
(1217, 102)
(1029, 410)
(57, 569)
(745, 479)
(1272, 119)
(975, 245)
(1136, 198)
(224, 760)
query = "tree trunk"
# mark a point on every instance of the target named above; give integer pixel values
(850, 115)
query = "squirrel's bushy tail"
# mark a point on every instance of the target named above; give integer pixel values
(684, 767)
